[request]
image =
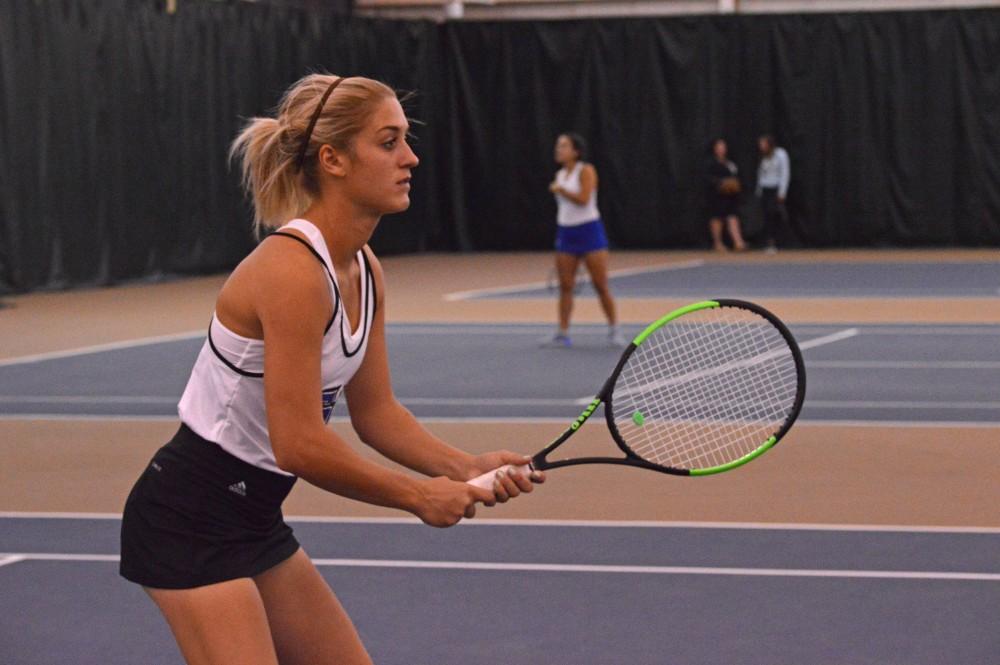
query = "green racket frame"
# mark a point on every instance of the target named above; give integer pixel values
(540, 461)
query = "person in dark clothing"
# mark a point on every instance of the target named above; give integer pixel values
(724, 190)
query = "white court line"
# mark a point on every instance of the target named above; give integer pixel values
(530, 420)
(829, 339)
(576, 568)
(868, 404)
(87, 417)
(905, 364)
(659, 570)
(919, 329)
(114, 346)
(598, 524)
(447, 329)
(813, 343)
(417, 401)
(86, 399)
(7, 560)
(900, 424)
(532, 286)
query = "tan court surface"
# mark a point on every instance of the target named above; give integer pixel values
(837, 474)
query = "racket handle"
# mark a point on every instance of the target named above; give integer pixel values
(485, 481)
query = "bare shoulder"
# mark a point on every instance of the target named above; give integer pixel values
(279, 279)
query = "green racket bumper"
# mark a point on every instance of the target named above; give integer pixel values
(659, 323)
(735, 463)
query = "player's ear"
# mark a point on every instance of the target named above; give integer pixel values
(333, 161)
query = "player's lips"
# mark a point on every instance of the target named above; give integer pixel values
(405, 182)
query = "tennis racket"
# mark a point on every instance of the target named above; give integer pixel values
(705, 389)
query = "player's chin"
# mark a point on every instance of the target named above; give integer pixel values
(397, 203)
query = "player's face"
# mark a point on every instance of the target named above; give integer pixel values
(719, 148)
(381, 161)
(565, 152)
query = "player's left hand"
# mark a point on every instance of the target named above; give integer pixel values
(508, 485)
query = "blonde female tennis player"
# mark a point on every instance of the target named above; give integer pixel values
(300, 321)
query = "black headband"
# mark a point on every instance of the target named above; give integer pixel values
(312, 123)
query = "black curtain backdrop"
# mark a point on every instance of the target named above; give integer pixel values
(115, 120)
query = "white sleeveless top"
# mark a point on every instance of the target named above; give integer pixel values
(224, 398)
(571, 213)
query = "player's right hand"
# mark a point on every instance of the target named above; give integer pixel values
(445, 501)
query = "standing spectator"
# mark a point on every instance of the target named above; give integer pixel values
(773, 175)
(724, 190)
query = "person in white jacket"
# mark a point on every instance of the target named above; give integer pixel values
(773, 175)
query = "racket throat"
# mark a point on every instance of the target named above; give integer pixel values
(540, 462)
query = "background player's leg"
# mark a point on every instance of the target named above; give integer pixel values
(736, 233)
(566, 265)
(715, 228)
(597, 265)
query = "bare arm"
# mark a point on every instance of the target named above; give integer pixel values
(385, 424)
(389, 427)
(289, 290)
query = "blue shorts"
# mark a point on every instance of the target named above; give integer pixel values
(582, 239)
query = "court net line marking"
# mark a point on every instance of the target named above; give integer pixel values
(586, 524)
(584, 279)
(574, 568)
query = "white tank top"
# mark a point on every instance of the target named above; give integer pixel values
(224, 398)
(571, 213)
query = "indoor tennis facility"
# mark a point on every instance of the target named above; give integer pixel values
(867, 532)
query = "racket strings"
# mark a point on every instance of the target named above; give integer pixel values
(706, 390)
(693, 416)
(708, 451)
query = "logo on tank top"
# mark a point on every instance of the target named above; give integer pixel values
(329, 401)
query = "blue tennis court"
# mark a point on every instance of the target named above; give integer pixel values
(698, 279)
(878, 373)
(553, 593)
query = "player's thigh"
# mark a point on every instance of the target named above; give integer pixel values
(566, 265)
(218, 623)
(308, 623)
(597, 266)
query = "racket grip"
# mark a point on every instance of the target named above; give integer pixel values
(485, 481)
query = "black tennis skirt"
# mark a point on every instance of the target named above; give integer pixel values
(197, 515)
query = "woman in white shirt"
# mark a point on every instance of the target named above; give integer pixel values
(300, 321)
(580, 237)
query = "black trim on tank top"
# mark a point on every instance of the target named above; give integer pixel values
(368, 318)
(336, 291)
(242, 372)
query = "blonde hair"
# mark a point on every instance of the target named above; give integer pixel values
(269, 149)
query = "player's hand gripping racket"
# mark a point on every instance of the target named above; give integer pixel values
(705, 389)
